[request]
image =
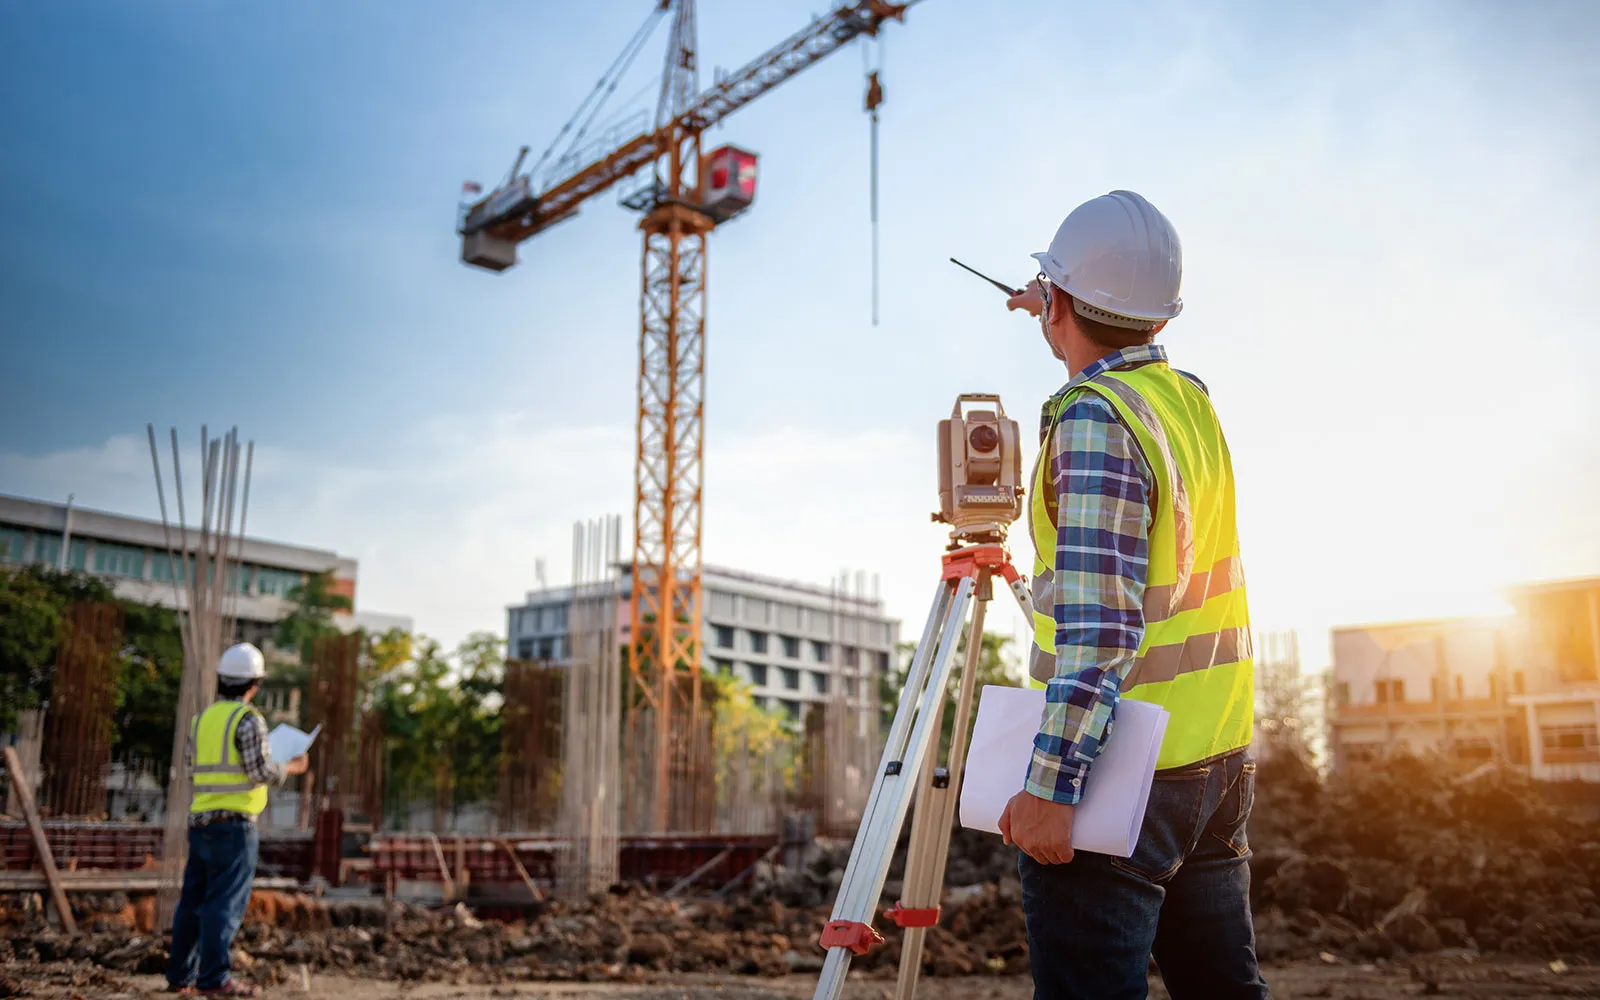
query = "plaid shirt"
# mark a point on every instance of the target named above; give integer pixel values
(250, 738)
(1100, 492)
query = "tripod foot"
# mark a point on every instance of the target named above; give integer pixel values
(907, 916)
(852, 934)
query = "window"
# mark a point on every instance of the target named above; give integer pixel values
(791, 708)
(47, 550)
(524, 649)
(11, 544)
(1391, 691)
(161, 567)
(118, 560)
(791, 647)
(850, 687)
(722, 636)
(760, 702)
(1569, 744)
(757, 610)
(758, 641)
(272, 582)
(721, 604)
(788, 616)
(819, 682)
(819, 651)
(852, 657)
(791, 678)
(723, 667)
(758, 674)
(883, 662)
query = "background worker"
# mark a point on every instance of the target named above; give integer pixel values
(232, 768)
(1138, 592)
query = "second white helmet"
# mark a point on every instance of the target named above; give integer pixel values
(1120, 260)
(243, 662)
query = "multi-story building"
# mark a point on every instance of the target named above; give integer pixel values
(791, 642)
(1524, 687)
(131, 553)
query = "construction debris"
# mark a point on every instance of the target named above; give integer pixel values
(1400, 859)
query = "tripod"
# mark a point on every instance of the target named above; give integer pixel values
(908, 767)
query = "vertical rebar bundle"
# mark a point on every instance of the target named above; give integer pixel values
(333, 691)
(531, 744)
(78, 726)
(203, 566)
(591, 714)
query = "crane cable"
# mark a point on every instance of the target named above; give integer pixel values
(874, 98)
(603, 89)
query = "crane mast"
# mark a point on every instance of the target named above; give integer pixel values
(687, 195)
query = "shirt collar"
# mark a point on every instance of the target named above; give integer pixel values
(1137, 354)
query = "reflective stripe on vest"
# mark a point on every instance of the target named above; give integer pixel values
(220, 780)
(1195, 657)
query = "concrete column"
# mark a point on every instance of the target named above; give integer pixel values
(1535, 743)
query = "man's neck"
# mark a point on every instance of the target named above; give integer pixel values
(1083, 353)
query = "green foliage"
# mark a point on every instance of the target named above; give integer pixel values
(312, 614)
(996, 665)
(441, 716)
(33, 602)
(152, 672)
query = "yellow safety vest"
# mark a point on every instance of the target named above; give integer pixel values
(1195, 659)
(220, 781)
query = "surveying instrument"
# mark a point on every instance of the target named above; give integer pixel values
(980, 496)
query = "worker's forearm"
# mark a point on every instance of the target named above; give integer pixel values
(1077, 719)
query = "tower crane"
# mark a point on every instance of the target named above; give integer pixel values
(687, 193)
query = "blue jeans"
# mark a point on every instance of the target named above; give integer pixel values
(216, 889)
(1184, 897)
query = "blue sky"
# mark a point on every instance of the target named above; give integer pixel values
(242, 214)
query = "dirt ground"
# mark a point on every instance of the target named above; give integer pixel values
(1460, 978)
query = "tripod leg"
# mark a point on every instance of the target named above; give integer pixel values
(936, 800)
(848, 932)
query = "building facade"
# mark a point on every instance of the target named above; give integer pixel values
(1523, 688)
(791, 642)
(131, 554)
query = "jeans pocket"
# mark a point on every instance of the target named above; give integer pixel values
(1171, 823)
(1234, 814)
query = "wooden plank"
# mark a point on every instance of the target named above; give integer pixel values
(19, 782)
(146, 880)
(694, 876)
(444, 869)
(516, 862)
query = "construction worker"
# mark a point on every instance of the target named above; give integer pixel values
(1138, 593)
(232, 768)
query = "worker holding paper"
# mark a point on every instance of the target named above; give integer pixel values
(1138, 592)
(232, 766)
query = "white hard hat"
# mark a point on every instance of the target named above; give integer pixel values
(243, 662)
(1120, 260)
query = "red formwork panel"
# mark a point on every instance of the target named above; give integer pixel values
(413, 857)
(116, 846)
(131, 846)
(673, 857)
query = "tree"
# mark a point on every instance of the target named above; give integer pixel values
(152, 673)
(312, 615)
(441, 719)
(33, 601)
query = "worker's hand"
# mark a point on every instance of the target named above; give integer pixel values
(1030, 299)
(297, 766)
(1040, 828)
